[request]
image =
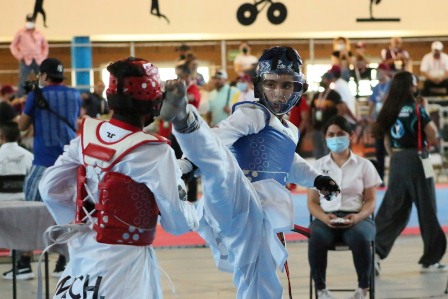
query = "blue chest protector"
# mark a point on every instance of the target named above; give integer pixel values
(267, 154)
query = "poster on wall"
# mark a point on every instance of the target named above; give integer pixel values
(247, 13)
(374, 19)
(39, 9)
(156, 11)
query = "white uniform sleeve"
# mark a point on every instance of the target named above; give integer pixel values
(156, 166)
(370, 176)
(302, 173)
(58, 184)
(244, 121)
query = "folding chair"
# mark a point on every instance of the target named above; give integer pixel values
(339, 245)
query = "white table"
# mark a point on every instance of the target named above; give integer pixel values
(22, 224)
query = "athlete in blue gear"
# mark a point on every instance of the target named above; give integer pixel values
(245, 163)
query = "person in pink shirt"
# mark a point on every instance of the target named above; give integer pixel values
(30, 48)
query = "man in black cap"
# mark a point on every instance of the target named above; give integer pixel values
(53, 110)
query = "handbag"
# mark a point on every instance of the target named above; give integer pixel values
(423, 151)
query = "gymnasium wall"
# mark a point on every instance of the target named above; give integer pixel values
(118, 28)
(208, 54)
(118, 20)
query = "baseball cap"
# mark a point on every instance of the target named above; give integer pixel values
(6, 89)
(437, 46)
(383, 66)
(53, 68)
(220, 74)
(335, 70)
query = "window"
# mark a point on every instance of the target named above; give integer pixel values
(314, 73)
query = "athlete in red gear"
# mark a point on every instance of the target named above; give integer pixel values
(125, 179)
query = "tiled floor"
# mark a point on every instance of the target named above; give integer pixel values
(194, 275)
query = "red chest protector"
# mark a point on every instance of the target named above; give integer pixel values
(126, 210)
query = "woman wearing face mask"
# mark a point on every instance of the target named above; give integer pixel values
(346, 217)
(246, 88)
(406, 127)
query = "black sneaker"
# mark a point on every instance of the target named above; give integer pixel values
(60, 267)
(23, 273)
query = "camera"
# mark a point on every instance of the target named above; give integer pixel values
(29, 86)
(40, 101)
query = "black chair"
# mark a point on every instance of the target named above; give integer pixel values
(339, 245)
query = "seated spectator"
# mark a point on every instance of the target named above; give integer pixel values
(94, 104)
(361, 70)
(6, 93)
(246, 88)
(395, 56)
(7, 111)
(14, 161)
(10, 109)
(192, 62)
(342, 56)
(358, 179)
(434, 68)
(244, 61)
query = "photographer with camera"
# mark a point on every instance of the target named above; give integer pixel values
(53, 109)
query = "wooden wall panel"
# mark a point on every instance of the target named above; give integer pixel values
(208, 52)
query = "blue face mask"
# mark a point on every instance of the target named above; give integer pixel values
(242, 86)
(338, 144)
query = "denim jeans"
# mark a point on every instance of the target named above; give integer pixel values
(357, 237)
(24, 72)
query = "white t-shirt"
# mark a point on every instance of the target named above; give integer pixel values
(434, 67)
(353, 177)
(341, 86)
